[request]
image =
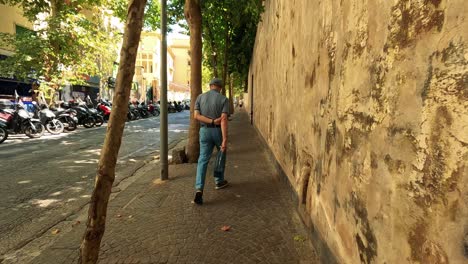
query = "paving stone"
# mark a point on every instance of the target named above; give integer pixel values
(166, 227)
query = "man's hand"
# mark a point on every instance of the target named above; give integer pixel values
(224, 146)
(217, 121)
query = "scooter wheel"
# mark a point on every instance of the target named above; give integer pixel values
(89, 122)
(99, 121)
(31, 133)
(3, 134)
(54, 127)
(71, 126)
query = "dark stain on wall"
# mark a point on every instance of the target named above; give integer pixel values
(291, 151)
(465, 244)
(331, 65)
(310, 79)
(365, 239)
(305, 183)
(424, 250)
(394, 166)
(358, 138)
(374, 160)
(453, 210)
(436, 3)
(365, 120)
(442, 66)
(318, 174)
(293, 51)
(410, 19)
(378, 74)
(330, 136)
(433, 182)
(427, 82)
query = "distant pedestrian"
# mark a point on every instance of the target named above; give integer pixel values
(211, 109)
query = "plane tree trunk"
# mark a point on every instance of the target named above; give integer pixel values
(192, 11)
(95, 227)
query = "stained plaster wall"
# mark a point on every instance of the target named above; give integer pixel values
(364, 104)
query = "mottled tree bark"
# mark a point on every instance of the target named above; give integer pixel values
(89, 250)
(192, 11)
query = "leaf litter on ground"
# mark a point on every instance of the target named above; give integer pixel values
(299, 238)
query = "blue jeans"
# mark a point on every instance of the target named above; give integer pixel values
(209, 138)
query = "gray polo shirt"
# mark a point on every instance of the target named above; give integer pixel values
(212, 104)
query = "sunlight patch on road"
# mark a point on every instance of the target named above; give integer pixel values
(44, 203)
(93, 151)
(90, 161)
(56, 193)
(66, 143)
(75, 189)
(178, 131)
(24, 182)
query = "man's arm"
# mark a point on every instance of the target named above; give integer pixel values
(202, 118)
(224, 130)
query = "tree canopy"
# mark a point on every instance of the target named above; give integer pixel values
(229, 30)
(71, 41)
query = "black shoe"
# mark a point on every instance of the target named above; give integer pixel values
(221, 185)
(198, 198)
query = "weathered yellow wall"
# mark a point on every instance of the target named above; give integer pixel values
(364, 103)
(9, 18)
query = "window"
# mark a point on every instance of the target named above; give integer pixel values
(22, 31)
(145, 61)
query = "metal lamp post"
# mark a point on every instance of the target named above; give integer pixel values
(163, 117)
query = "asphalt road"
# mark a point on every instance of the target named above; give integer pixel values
(44, 181)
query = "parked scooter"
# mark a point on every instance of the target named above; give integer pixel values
(154, 109)
(133, 113)
(84, 117)
(98, 119)
(19, 121)
(104, 109)
(171, 107)
(143, 110)
(179, 107)
(67, 117)
(48, 119)
(186, 105)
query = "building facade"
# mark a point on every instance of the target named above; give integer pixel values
(12, 21)
(148, 68)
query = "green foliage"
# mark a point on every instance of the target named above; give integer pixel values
(152, 19)
(72, 41)
(238, 20)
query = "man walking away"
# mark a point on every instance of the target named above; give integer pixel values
(211, 109)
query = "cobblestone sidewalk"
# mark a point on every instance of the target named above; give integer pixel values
(154, 222)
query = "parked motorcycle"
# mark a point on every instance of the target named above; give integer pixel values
(143, 110)
(133, 113)
(104, 110)
(98, 119)
(3, 132)
(178, 106)
(171, 107)
(84, 117)
(19, 121)
(48, 119)
(154, 109)
(67, 117)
